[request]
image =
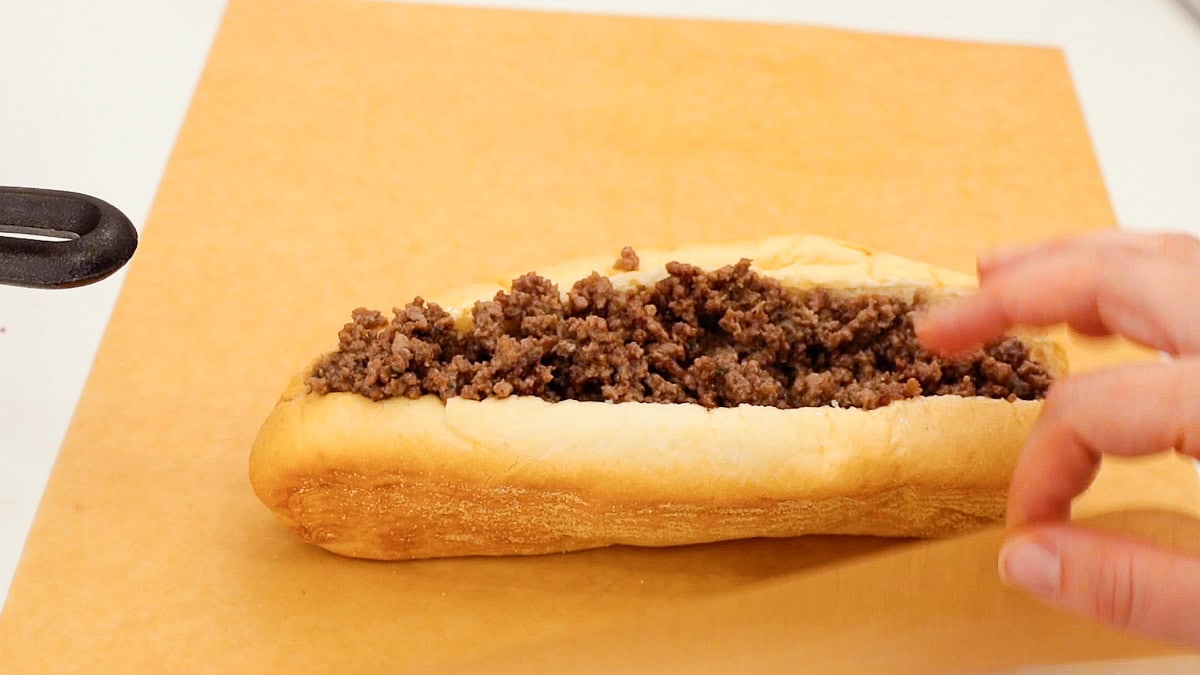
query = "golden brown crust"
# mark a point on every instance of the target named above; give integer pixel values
(404, 478)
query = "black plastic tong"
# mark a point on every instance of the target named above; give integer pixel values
(82, 239)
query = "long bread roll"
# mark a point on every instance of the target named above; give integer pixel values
(424, 477)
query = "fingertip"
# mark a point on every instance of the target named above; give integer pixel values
(1031, 564)
(940, 330)
(932, 329)
(922, 320)
(1129, 584)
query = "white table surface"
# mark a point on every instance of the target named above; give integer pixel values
(92, 95)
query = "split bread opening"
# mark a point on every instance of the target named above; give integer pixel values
(757, 389)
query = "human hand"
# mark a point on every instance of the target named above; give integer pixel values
(1145, 288)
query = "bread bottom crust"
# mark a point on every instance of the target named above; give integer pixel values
(397, 516)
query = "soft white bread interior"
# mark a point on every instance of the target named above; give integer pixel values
(403, 478)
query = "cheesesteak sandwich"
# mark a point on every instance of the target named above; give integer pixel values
(759, 389)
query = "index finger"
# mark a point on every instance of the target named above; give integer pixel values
(1145, 296)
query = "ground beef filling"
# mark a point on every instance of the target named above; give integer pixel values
(720, 339)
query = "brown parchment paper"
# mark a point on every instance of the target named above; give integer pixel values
(339, 154)
(819, 620)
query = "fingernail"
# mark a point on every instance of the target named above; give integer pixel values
(1032, 566)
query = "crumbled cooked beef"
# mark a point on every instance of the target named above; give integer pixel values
(628, 262)
(720, 339)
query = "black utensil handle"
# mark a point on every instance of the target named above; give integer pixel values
(94, 238)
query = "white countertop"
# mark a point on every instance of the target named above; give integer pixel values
(94, 94)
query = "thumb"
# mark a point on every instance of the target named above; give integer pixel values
(1127, 584)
